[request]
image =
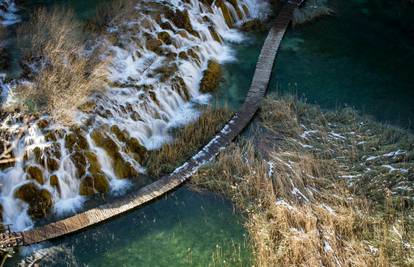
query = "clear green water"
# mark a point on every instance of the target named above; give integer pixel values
(363, 57)
(183, 229)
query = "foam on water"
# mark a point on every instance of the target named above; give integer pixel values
(150, 93)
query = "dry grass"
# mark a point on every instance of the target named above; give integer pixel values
(298, 212)
(64, 77)
(187, 141)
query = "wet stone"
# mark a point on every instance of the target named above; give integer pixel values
(54, 182)
(93, 184)
(35, 173)
(39, 200)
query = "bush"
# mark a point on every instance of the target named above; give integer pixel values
(63, 76)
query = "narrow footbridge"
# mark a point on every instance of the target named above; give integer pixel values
(167, 183)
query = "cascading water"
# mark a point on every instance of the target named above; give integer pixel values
(157, 62)
(8, 14)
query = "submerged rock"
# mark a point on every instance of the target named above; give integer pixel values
(211, 77)
(39, 200)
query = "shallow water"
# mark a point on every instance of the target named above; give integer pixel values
(183, 229)
(357, 57)
(187, 228)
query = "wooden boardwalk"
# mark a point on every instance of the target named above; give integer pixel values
(167, 183)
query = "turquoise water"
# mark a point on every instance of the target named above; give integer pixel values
(362, 56)
(358, 57)
(183, 229)
(186, 228)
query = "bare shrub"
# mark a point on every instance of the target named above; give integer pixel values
(64, 76)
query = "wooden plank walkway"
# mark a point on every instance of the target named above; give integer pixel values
(167, 183)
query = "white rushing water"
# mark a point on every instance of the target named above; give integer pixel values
(152, 91)
(8, 12)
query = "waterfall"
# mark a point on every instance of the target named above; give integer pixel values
(8, 14)
(157, 60)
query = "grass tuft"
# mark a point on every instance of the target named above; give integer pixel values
(187, 141)
(286, 179)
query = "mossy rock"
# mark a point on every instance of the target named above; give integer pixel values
(191, 53)
(166, 26)
(235, 4)
(135, 116)
(122, 168)
(165, 38)
(253, 25)
(166, 72)
(39, 200)
(246, 10)
(183, 55)
(42, 123)
(182, 20)
(153, 97)
(226, 13)
(214, 34)
(70, 140)
(211, 77)
(52, 164)
(50, 136)
(180, 87)
(54, 182)
(94, 165)
(35, 173)
(104, 141)
(93, 184)
(183, 34)
(135, 146)
(121, 135)
(87, 107)
(37, 152)
(53, 151)
(79, 160)
(154, 45)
